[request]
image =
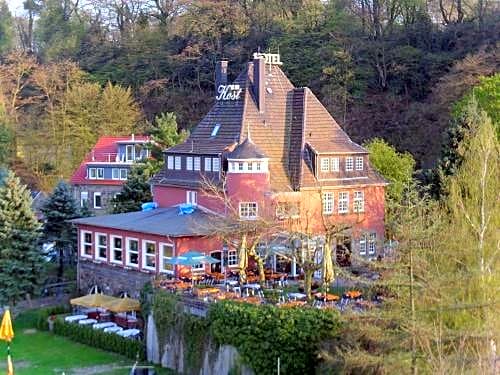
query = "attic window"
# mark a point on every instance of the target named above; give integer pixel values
(215, 130)
(269, 90)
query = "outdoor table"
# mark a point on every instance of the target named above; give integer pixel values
(297, 296)
(202, 292)
(74, 318)
(227, 295)
(329, 297)
(114, 329)
(293, 304)
(252, 300)
(128, 333)
(104, 325)
(353, 294)
(254, 287)
(105, 317)
(87, 322)
(131, 323)
(232, 282)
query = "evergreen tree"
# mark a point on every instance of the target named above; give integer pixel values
(59, 208)
(135, 191)
(6, 28)
(20, 258)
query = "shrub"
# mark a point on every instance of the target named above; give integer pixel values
(99, 339)
(44, 313)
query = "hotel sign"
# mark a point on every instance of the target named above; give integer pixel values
(228, 92)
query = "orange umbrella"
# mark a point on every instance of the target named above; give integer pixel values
(7, 334)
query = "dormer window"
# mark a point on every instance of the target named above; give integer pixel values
(178, 163)
(335, 164)
(208, 164)
(359, 163)
(215, 130)
(197, 163)
(325, 164)
(215, 164)
(170, 162)
(349, 164)
(189, 163)
(129, 153)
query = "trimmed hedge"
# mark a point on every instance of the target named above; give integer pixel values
(99, 339)
(43, 315)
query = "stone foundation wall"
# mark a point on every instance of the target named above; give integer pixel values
(107, 193)
(112, 280)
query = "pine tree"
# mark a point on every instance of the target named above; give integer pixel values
(135, 191)
(20, 258)
(59, 208)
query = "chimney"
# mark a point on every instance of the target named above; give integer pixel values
(220, 74)
(259, 78)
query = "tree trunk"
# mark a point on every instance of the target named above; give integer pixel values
(60, 270)
(308, 274)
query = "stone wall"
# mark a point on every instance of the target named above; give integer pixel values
(107, 193)
(223, 360)
(112, 280)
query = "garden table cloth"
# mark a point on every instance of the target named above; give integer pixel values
(128, 333)
(297, 295)
(74, 318)
(87, 321)
(104, 325)
(114, 329)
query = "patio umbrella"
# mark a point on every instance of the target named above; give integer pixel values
(123, 305)
(192, 258)
(7, 334)
(92, 300)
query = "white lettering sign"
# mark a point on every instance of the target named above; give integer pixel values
(228, 92)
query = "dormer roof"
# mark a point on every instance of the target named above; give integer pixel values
(247, 150)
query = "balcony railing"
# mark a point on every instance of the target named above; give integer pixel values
(113, 158)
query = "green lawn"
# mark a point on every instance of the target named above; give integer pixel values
(42, 353)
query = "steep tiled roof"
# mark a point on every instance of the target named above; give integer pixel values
(246, 150)
(293, 119)
(105, 150)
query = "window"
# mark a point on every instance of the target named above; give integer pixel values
(97, 200)
(362, 245)
(189, 163)
(335, 164)
(372, 243)
(167, 252)
(86, 244)
(257, 166)
(197, 267)
(215, 164)
(116, 249)
(327, 203)
(343, 202)
(102, 246)
(358, 202)
(325, 164)
(359, 163)
(132, 252)
(232, 258)
(208, 164)
(178, 161)
(215, 130)
(123, 174)
(197, 163)
(84, 199)
(170, 162)
(149, 255)
(115, 173)
(96, 173)
(349, 164)
(240, 166)
(248, 210)
(249, 166)
(191, 197)
(129, 153)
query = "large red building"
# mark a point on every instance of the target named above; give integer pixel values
(273, 150)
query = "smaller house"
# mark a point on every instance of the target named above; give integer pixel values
(100, 176)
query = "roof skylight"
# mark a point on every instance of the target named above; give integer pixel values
(215, 130)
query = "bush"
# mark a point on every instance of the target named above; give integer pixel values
(99, 339)
(43, 315)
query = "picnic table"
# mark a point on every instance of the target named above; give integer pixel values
(297, 296)
(128, 333)
(329, 297)
(74, 318)
(293, 304)
(86, 322)
(104, 325)
(114, 329)
(203, 292)
(253, 300)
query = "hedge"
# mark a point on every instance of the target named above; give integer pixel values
(43, 315)
(99, 339)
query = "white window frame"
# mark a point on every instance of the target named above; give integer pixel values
(232, 258)
(349, 164)
(215, 164)
(343, 202)
(241, 166)
(258, 166)
(362, 244)
(178, 163)
(197, 267)
(163, 257)
(97, 194)
(145, 255)
(215, 130)
(249, 166)
(92, 173)
(328, 201)
(98, 246)
(245, 210)
(189, 163)
(208, 164)
(359, 163)
(84, 200)
(126, 174)
(100, 173)
(129, 156)
(128, 251)
(117, 171)
(83, 244)
(192, 197)
(325, 164)
(170, 162)
(372, 243)
(358, 202)
(113, 249)
(197, 163)
(335, 164)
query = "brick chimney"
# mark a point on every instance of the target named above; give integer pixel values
(259, 82)
(220, 74)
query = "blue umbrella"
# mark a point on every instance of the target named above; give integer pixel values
(192, 258)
